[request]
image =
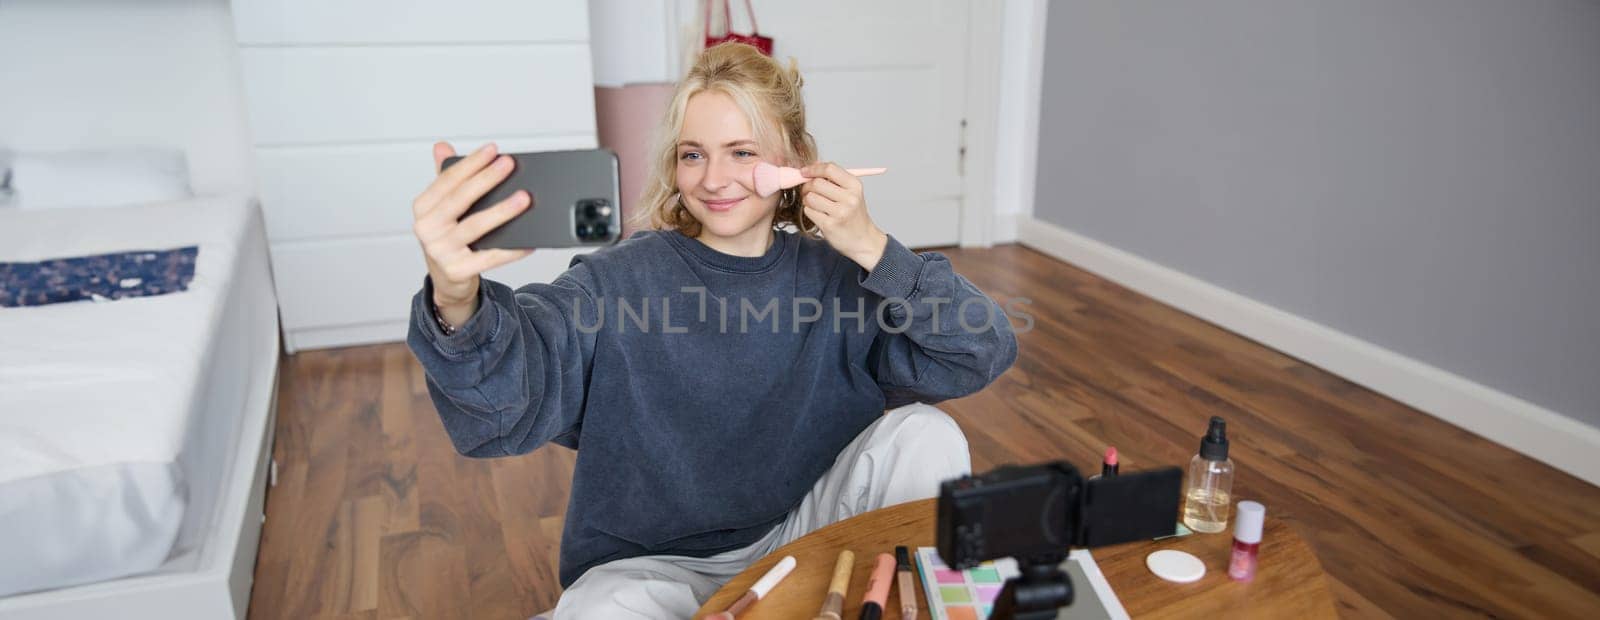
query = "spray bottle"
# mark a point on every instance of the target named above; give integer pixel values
(1207, 490)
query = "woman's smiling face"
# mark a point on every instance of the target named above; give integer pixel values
(717, 155)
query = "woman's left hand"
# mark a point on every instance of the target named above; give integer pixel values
(834, 200)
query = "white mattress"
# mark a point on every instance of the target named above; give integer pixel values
(108, 435)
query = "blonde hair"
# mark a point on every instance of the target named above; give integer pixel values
(769, 95)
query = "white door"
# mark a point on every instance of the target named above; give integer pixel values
(884, 86)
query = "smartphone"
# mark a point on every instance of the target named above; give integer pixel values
(575, 201)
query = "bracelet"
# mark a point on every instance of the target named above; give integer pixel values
(444, 326)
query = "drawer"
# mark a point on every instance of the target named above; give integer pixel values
(320, 192)
(331, 95)
(360, 281)
(298, 22)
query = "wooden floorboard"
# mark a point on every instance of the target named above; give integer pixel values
(375, 516)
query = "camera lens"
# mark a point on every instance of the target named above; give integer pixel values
(590, 210)
(583, 231)
(601, 230)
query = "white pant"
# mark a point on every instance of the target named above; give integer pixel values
(899, 458)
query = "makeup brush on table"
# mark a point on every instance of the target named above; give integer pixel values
(769, 178)
(833, 605)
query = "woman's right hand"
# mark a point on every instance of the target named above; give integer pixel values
(453, 266)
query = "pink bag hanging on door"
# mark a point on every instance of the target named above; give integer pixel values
(754, 39)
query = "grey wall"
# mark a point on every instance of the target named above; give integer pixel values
(1420, 174)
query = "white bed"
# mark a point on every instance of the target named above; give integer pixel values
(134, 434)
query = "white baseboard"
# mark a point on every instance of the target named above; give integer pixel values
(1562, 442)
(297, 340)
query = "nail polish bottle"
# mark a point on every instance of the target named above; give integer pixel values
(1246, 540)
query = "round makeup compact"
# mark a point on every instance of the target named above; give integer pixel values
(1175, 566)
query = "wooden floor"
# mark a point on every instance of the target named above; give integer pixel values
(375, 516)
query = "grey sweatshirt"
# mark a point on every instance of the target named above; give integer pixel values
(705, 393)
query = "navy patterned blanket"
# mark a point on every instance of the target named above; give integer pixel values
(101, 277)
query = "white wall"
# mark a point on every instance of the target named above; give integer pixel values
(635, 41)
(103, 73)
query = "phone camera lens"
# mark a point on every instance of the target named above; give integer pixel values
(592, 219)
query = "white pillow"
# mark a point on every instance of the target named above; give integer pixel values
(100, 178)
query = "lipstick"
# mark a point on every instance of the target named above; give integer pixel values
(1108, 467)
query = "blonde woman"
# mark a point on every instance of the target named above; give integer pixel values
(745, 372)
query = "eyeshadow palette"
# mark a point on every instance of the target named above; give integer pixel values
(962, 594)
(970, 594)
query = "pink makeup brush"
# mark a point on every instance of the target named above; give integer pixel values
(770, 178)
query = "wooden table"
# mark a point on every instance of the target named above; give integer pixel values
(1289, 584)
